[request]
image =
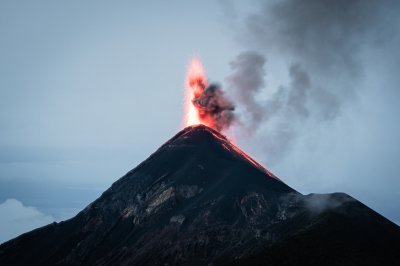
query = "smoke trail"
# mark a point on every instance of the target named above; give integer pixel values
(246, 82)
(326, 40)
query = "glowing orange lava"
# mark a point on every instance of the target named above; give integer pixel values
(195, 82)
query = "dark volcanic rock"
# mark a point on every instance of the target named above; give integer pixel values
(199, 200)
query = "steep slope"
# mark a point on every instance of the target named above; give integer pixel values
(199, 200)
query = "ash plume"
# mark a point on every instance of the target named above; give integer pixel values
(213, 106)
(323, 45)
(246, 82)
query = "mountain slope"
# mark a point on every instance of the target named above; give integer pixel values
(348, 233)
(199, 200)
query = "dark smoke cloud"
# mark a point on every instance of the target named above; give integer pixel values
(327, 40)
(284, 111)
(321, 33)
(214, 107)
(246, 82)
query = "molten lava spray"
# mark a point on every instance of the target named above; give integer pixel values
(205, 104)
(195, 71)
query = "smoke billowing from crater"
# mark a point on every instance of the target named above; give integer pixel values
(213, 107)
(323, 45)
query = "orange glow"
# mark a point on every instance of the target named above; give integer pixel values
(229, 146)
(195, 82)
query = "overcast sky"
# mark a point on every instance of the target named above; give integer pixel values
(89, 89)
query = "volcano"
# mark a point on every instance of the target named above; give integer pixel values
(199, 200)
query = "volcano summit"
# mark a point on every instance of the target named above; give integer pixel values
(199, 200)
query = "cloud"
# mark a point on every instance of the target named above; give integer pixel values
(16, 218)
(318, 203)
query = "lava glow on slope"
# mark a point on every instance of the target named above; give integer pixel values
(195, 83)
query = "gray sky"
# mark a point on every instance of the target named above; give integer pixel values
(89, 89)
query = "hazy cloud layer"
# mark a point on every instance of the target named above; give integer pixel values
(16, 218)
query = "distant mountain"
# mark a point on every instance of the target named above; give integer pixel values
(199, 200)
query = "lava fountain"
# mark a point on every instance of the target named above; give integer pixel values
(205, 104)
(194, 77)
